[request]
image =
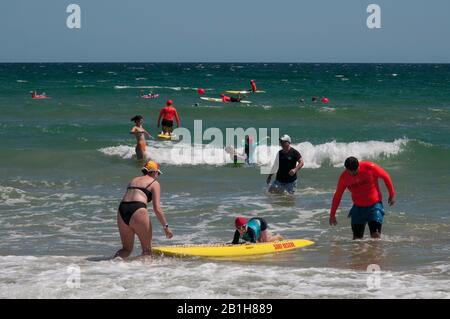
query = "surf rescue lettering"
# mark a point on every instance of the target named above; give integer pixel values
(285, 245)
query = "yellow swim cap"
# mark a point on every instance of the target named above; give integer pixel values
(151, 166)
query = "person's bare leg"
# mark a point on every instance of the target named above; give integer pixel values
(127, 238)
(275, 190)
(140, 223)
(139, 153)
(375, 235)
(267, 236)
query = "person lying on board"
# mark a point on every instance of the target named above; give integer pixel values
(253, 230)
(227, 99)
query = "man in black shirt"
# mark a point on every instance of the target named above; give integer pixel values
(288, 162)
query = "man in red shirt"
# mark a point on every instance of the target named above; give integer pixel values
(168, 113)
(361, 179)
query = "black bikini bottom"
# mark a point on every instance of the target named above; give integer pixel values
(127, 209)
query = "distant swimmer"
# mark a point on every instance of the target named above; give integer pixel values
(138, 131)
(361, 179)
(253, 87)
(227, 99)
(168, 113)
(132, 216)
(314, 99)
(36, 96)
(302, 100)
(150, 95)
(253, 230)
(288, 162)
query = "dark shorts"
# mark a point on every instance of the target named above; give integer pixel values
(358, 229)
(167, 123)
(363, 215)
(235, 99)
(371, 215)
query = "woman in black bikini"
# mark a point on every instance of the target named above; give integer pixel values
(133, 218)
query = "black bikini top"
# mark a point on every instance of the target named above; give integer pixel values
(146, 191)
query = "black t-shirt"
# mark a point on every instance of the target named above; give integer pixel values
(287, 161)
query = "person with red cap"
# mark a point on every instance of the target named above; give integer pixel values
(168, 113)
(253, 230)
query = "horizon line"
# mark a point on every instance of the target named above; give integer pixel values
(210, 62)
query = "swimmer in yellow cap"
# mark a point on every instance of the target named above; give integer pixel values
(132, 216)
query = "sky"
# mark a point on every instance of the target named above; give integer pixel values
(412, 31)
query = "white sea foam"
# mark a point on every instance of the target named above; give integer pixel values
(58, 277)
(314, 156)
(175, 88)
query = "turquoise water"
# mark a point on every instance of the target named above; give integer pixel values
(66, 161)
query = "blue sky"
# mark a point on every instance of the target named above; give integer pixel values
(225, 31)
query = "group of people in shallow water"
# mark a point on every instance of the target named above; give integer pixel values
(360, 178)
(168, 114)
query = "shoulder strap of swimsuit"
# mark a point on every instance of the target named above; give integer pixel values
(150, 184)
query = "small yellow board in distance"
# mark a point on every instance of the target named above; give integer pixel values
(166, 137)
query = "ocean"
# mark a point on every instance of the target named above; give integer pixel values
(66, 161)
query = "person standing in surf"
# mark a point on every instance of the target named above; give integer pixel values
(361, 179)
(168, 113)
(253, 88)
(132, 215)
(253, 230)
(138, 131)
(288, 162)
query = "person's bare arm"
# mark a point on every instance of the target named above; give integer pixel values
(156, 197)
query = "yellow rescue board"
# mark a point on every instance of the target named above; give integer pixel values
(228, 250)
